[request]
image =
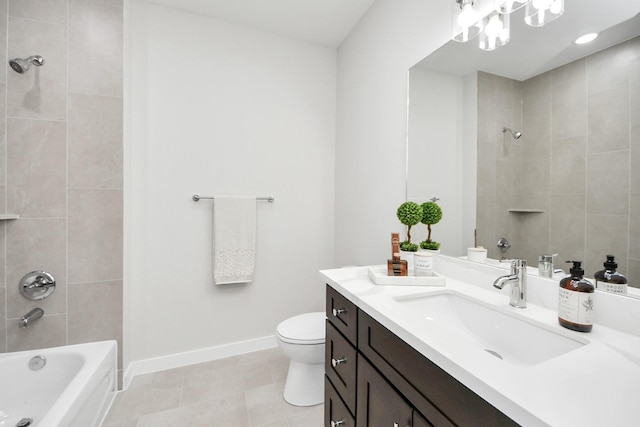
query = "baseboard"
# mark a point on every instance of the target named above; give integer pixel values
(177, 360)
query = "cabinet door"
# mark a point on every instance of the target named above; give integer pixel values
(379, 405)
(335, 411)
(420, 421)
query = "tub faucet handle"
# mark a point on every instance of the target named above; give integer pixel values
(37, 285)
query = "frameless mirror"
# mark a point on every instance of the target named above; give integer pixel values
(567, 184)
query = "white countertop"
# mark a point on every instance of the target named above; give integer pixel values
(596, 385)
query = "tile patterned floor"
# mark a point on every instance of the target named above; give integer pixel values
(240, 391)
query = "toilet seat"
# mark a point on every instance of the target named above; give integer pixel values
(303, 329)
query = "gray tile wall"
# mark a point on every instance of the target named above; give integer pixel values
(578, 162)
(61, 169)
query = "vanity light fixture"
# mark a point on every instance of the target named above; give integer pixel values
(587, 38)
(541, 12)
(490, 18)
(495, 31)
(508, 6)
(466, 21)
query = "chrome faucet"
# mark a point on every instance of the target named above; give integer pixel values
(31, 317)
(518, 280)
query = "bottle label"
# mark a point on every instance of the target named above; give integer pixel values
(575, 307)
(616, 288)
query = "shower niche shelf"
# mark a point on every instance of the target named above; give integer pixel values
(5, 217)
(524, 211)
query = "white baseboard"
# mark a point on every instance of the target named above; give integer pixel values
(177, 360)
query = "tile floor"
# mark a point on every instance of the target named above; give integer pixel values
(240, 391)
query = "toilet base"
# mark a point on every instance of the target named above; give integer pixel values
(305, 384)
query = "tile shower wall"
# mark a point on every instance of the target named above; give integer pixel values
(577, 161)
(61, 169)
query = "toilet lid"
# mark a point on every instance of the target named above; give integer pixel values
(305, 328)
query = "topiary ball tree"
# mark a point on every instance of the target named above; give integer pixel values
(409, 213)
(431, 214)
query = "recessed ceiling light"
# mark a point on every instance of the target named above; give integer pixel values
(586, 38)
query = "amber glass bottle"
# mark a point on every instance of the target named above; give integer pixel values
(609, 279)
(575, 300)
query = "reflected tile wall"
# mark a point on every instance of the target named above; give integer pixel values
(36, 244)
(3, 42)
(63, 172)
(95, 312)
(584, 117)
(95, 133)
(41, 92)
(54, 11)
(95, 237)
(3, 320)
(606, 234)
(95, 71)
(36, 180)
(3, 136)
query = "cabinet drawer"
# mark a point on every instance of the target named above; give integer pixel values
(343, 314)
(341, 366)
(335, 411)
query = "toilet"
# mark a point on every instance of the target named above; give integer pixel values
(301, 338)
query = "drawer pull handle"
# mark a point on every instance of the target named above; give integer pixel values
(336, 362)
(338, 311)
(337, 423)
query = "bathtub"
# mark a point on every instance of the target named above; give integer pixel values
(71, 386)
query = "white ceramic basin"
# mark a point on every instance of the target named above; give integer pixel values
(508, 337)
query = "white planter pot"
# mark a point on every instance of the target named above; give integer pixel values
(407, 256)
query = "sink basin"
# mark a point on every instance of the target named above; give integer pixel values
(505, 336)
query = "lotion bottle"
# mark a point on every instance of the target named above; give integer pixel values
(609, 279)
(575, 300)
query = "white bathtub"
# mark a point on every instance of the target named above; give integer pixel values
(74, 388)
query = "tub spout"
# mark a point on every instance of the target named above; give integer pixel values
(31, 317)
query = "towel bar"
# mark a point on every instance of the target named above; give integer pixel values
(269, 199)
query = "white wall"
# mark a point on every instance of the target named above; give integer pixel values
(435, 147)
(469, 159)
(220, 109)
(372, 120)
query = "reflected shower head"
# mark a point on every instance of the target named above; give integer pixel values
(514, 134)
(22, 65)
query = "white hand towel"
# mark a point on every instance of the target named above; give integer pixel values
(234, 239)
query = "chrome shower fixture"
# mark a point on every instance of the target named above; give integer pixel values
(514, 134)
(22, 65)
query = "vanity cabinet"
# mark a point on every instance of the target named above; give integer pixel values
(340, 360)
(375, 379)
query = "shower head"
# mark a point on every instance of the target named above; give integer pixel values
(514, 134)
(22, 65)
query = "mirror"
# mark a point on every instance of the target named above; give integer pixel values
(566, 186)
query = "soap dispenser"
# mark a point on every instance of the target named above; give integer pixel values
(575, 300)
(609, 279)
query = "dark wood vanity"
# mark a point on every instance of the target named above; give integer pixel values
(375, 379)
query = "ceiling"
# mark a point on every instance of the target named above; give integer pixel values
(532, 51)
(324, 22)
